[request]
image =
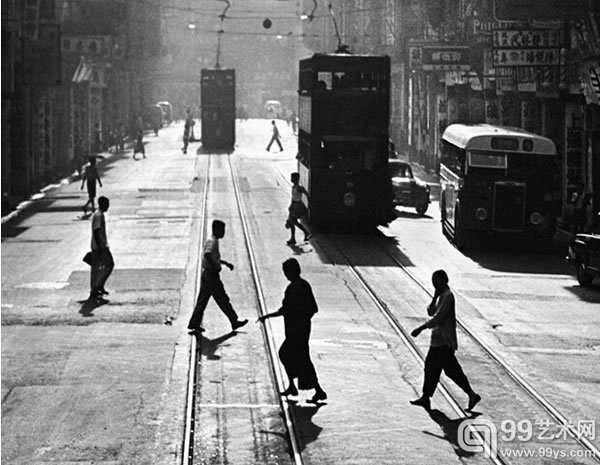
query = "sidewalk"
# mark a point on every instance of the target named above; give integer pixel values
(102, 159)
(100, 381)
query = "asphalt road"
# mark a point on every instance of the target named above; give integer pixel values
(105, 383)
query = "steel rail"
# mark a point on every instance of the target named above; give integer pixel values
(190, 408)
(414, 350)
(528, 388)
(267, 329)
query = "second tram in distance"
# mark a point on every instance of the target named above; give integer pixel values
(217, 93)
(343, 112)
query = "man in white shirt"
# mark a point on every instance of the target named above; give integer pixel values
(211, 284)
(103, 263)
(443, 344)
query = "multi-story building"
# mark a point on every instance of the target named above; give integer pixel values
(72, 70)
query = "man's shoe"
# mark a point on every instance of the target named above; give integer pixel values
(473, 401)
(238, 324)
(319, 396)
(422, 402)
(291, 391)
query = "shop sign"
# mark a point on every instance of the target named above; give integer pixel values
(527, 38)
(439, 57)
(97, 46)
(526, 57)
(41, 57)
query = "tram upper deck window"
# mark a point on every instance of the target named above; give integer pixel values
(365, 81)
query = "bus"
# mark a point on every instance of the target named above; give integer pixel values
(497, 180)
(217, 92)
(343, 117)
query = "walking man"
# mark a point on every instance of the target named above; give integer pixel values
(90, 177)
(211, 284)
(297, 210)
(139, 144)
(275, 137)
(297, 309)
(443, 344)
(103, 263)
(187, 130)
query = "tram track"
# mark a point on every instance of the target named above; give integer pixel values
(276, 370)
(190, 408)
(514, 375)
(399, 328)
(195, 353)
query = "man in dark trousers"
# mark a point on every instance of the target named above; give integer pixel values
(298, 307)
(102, 261)
(188, 130)
(275, 137)
(211, 284)
(443, 344)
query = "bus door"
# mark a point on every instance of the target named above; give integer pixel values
(450, 187)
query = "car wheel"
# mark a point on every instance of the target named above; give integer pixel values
(583, 277)
(421, 209)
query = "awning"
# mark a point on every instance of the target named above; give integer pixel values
(590, 81)
(83, 72)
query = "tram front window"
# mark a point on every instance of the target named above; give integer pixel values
(350, 155)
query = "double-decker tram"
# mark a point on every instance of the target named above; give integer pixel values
(343, 111)
(217, 88)
(497, 180)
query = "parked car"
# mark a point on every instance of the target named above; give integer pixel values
(408, 190)
(167, 109)
(153, 118)
(584, 254)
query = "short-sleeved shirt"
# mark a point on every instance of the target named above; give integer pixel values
(91, 173)
(443, 322)
(99, 223)
(211, 247)
(298, 307)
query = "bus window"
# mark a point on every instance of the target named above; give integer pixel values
(487, 160)
(453, 157)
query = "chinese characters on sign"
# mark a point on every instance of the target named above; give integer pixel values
(526, 47)
(439, 57)
(526, 57)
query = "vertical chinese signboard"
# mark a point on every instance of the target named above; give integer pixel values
(41, 57)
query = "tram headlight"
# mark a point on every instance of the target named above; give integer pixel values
(349, 199)
(536, 218)
(481, 214)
